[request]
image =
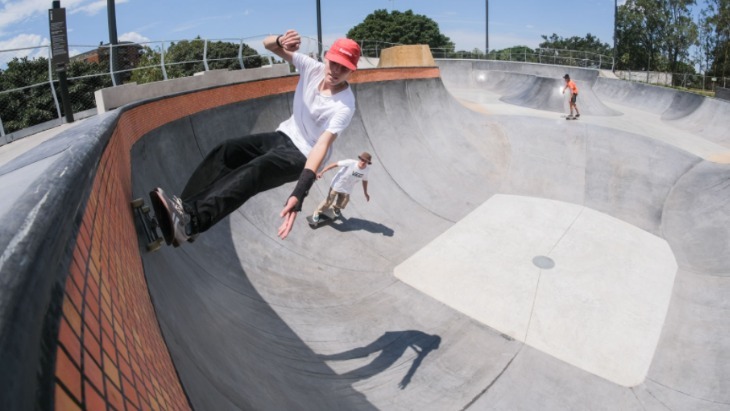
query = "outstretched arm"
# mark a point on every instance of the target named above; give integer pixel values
(314, 161)
(326, 169)
(365, 189)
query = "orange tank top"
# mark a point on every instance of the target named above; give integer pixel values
(573, 88)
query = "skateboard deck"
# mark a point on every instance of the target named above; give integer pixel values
(149, 224)
(325, 217)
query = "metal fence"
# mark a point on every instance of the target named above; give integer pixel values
(34, 99)
(26, 108)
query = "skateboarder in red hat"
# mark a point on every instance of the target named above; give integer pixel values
(241, 167)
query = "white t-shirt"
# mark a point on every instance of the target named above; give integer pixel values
(313, 113)
(348, 176)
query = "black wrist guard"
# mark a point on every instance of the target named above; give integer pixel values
(306, 179)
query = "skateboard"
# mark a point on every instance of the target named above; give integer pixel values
(570, 118)
(326, 216)
(149, 224)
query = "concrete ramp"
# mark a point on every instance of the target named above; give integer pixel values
(508, 259)
(529, 86)
(504, 261)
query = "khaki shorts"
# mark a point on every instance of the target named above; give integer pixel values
(339, 200)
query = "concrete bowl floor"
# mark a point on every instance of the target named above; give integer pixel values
(508, 258)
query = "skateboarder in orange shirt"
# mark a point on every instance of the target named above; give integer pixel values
(573, 96)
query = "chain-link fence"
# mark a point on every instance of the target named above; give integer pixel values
(681, 80)
(30, 95)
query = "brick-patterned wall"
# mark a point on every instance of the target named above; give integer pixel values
(111, 353)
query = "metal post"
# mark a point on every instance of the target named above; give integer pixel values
(615, 33)
(113, 41)
(205, 55)
(486, 49)
(319, 30)
(162, 61)
(240, 55)
(63, 82)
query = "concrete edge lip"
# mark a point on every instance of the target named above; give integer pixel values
(602, 309)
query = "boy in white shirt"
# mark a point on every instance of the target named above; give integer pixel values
(241, 167)
(352, 171)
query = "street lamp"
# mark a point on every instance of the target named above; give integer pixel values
(113, 41)
(615, 17)
(319, 31)
(486, 47)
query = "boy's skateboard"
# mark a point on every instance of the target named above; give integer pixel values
(324, 217)
(149, 224)
(571, 117)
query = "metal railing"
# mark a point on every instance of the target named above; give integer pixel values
(23, 109)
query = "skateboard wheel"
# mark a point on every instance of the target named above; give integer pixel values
(137, 202)
(154, 246)
(145, 209)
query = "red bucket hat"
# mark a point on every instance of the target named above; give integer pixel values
(345, 52)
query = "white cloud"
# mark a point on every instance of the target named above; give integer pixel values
(94, 8)
(24, 45)
(134, 38)
(18, 11)
(14, 12)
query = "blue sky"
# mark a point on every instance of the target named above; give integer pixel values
(24, 23)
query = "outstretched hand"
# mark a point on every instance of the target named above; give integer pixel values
(290, 40)
(289, 215)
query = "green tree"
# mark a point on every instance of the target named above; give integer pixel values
(681, 33)
(31, 101)
(719, 17)
(706, 39)
(589, 43)
(28, 106)
(640, 27)
(185, 58)
(383, 29)
(89, 77)
(148, 67)
(516, 53)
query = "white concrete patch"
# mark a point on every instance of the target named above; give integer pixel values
(602, 306)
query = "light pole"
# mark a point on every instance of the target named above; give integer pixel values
(486, 46)
(319, 31)
(113, 40)
(615, 33)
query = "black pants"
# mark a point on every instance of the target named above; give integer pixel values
(235, 171)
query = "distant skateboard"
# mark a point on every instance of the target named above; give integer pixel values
(571, 117)
(325, 216)
(149, 224)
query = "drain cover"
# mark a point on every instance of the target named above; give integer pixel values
(543, 262)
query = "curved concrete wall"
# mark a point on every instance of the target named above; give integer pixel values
(77, 326)
(241, 325)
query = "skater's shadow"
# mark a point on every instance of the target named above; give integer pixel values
(391, 345)
(354, 224)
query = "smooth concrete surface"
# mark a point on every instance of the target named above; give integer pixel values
(320, 320)
(600, 305)
(632, 316)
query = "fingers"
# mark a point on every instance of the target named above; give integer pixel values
(289, 215)
(287, 225)
(290, 40)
